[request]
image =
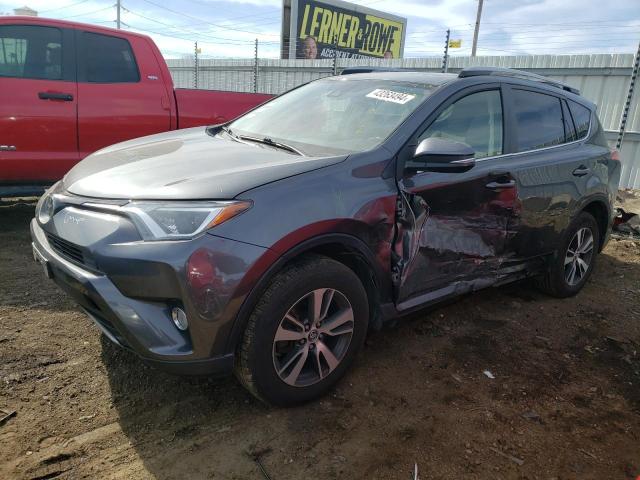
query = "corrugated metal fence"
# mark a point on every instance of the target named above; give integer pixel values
(603, 79)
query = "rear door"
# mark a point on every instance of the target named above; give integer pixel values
(38, 102)
(552, 165)
(452, 227)
(120, 91)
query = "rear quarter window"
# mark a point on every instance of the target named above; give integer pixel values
(581, 118)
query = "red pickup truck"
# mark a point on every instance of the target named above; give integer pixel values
(68, 89)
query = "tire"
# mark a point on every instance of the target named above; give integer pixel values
(558, 281)
(276, 337)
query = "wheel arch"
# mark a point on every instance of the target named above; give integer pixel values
(344, 248)
(600, 210)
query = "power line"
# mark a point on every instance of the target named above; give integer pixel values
(87, 13)
(531, 33)
(191, 32)
(614, 23)
(190, 40)
(551, 35)
(205, 21)
(148, 30)
(64, 7)
(539, 28)
(543, 44)
(207, 4)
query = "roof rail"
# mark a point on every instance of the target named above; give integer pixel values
(513, 73)
(351, 70)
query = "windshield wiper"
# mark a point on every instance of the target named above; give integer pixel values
(228, 131)
(271, 143)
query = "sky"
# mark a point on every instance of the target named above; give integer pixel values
(228, 28)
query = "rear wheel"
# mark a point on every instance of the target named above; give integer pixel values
(304, 333)
(575, 259)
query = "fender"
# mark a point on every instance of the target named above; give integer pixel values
(252, 298)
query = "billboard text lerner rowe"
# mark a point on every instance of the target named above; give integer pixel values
(323, 28)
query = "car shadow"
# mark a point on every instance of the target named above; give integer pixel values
(210, 425)
(25, 286)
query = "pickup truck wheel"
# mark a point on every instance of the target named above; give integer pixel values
(304, 333)
(575, 260)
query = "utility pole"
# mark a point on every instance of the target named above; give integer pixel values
(627, 104)
(196, 69)
(118, 6)
(477, 29)
(255, 68)
(445, 60)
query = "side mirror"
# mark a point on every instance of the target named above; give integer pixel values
(441, 155)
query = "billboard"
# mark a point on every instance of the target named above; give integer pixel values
(321, 29)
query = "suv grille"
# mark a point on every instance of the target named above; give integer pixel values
(66, 249)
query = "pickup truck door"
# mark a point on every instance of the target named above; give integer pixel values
(38, 101)
(451, 228)
(121, 93)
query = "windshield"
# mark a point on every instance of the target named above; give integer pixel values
(334, 116)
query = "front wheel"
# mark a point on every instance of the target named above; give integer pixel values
(304, 333)
(575, 260)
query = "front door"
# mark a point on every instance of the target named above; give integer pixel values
(38, 104)
(452, 227)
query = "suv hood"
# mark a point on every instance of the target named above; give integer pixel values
(187, 164)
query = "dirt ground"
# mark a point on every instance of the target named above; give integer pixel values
(564, 402)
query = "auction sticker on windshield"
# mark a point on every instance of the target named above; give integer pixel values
(391, 96)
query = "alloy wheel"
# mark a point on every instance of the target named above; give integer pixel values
(578, 256)
(313, 337)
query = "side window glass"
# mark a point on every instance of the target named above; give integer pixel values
(581, 118)
(539, 121)
(475, 120)
(30, 52)
(114, 64)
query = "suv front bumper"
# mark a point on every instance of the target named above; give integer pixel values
(144, 325)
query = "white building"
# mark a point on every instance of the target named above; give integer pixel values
(25, 11)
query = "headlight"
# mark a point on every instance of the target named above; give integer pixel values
(180, 220)
(45, 209)
(45, 206)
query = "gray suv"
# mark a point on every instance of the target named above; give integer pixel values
(271, 244)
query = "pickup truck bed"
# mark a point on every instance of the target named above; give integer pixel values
(208, 107)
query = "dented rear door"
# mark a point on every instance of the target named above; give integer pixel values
(451, 228)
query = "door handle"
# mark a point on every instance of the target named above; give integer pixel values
(65, 97)
(506, 184)
(581, 171)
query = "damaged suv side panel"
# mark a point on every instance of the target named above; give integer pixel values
(503, 218)
(452, 227)
(451, 234)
